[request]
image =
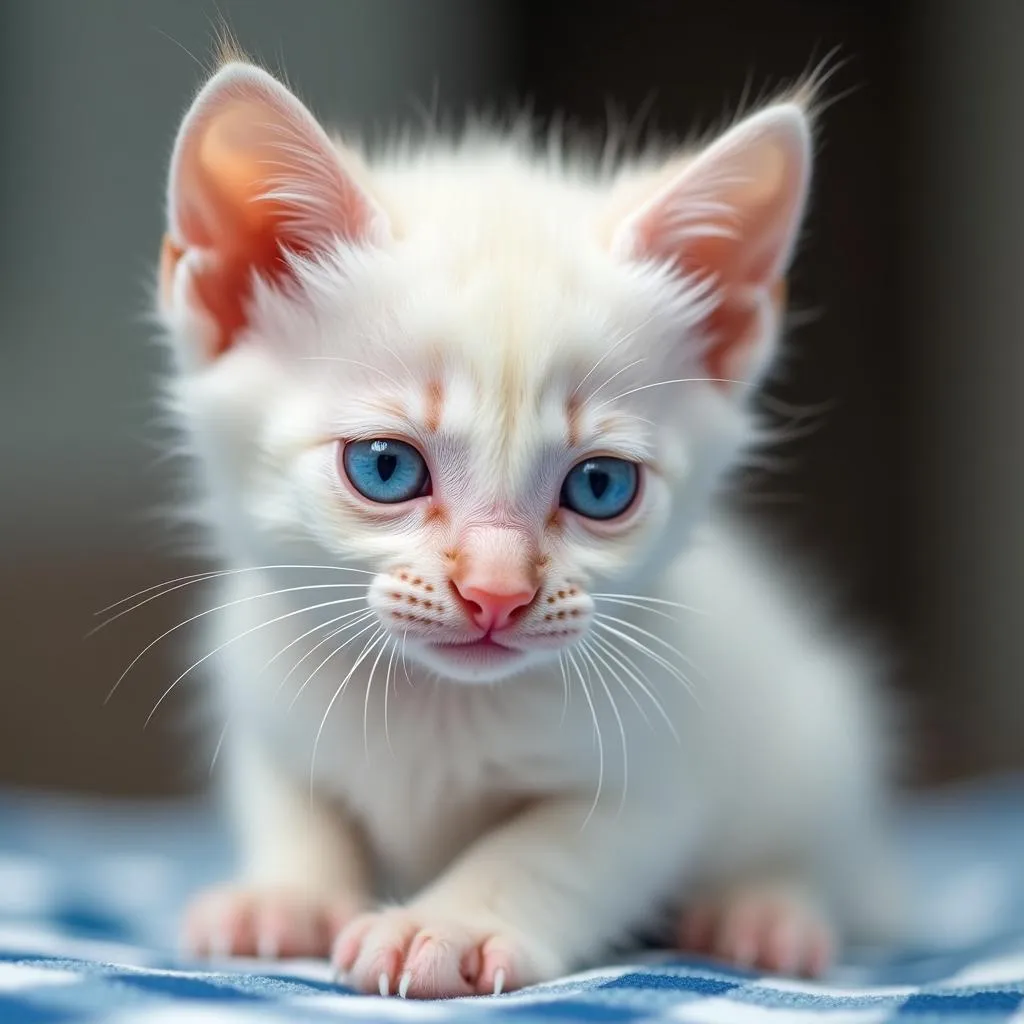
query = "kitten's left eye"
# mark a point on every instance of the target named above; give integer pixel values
(601, 488)
(385, 470)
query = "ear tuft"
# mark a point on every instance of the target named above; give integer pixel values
(228, 50)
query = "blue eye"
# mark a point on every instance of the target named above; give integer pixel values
(385, 470)
(600, 488)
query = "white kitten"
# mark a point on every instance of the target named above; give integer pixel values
(484, 398)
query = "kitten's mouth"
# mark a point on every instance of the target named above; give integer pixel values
(485, 650)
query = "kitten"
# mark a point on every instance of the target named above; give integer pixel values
(548, 693)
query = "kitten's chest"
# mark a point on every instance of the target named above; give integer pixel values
(427, 766)
(439, 765)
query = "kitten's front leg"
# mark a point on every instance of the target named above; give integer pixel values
(303, 873)
(527, 902)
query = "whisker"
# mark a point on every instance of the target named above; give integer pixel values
(678, 380)
(642, 607)
(585, 652)
(565, 688)
(367, 649)
(611, 349)
(220, 743)
(655, 657)
(312, 675)
(596, 653)
(387, 690)
(198, 577)
(366, 701)
(355, 362)
(361, 615)
(227, 643)
(650, 636)
(221, 607)
(620, 370)
(600, 741)
(180, 581)
(632, 669)
(302, 636)
(654, 600)
(391, 351)
(404, 667)
(164, 593)
(603, 620)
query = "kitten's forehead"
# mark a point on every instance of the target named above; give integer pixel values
(499, 366)
(498, 330)
(521, 332)
(506, 420)
(512, 428)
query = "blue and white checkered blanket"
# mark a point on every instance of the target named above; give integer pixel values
(89, 897)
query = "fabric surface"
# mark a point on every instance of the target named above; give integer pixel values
(90, 893)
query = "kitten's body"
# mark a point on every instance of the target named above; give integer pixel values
(764, 766)
(507, 318)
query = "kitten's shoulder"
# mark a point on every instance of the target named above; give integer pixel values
(740, 569)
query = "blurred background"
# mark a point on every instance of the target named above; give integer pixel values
(905, 485)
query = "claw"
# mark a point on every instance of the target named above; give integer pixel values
(384, 984)
(403, 985)
(499, 981)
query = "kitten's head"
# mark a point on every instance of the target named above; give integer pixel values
(501, 385)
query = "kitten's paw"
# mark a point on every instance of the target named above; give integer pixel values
(773, 926)
(414, 955)
(268, 923)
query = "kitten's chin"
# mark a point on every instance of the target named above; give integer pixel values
(479, 663)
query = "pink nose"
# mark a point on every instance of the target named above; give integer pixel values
(490, 609)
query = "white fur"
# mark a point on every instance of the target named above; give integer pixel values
(476, 799)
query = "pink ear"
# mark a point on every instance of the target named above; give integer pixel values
(253, 175)
(731, 217)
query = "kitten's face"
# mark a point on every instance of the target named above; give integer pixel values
(480, 465)
(480, 405)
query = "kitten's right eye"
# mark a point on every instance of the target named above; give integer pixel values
(385, 470)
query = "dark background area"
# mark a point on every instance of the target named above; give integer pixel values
(904, 485)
